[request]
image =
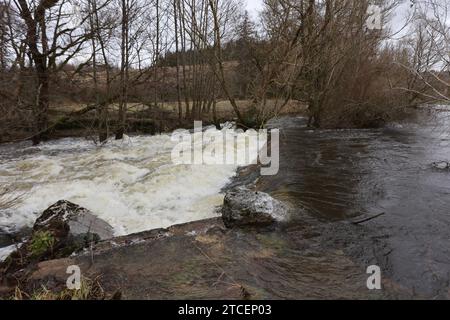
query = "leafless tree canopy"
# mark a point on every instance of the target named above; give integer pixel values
(121, 65)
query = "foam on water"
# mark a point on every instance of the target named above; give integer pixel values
(133, 185)
(6, 251)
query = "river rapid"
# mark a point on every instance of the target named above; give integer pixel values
(131, 184)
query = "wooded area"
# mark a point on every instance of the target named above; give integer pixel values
(109, 56)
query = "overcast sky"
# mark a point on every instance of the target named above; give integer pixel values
(253, 6)
(397, 23)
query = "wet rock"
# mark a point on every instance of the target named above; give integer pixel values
(66, 219)
(243, 207)
(5, 239)
(8, 238)
(442, 165)
(62, 229)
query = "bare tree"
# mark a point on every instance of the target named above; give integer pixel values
(429, 49)
(52, 42)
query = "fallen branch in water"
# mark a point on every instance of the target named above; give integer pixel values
(368, 219)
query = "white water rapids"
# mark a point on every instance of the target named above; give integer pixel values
(132, 184)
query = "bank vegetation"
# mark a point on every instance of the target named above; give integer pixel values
(104, 68)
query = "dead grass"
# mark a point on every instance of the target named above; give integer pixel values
(89, 290)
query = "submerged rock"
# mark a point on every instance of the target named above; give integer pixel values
(244, 207)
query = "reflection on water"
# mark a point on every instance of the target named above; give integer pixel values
(340, 174)
(324, 170)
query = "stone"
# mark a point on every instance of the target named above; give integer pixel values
(244, 207)
(62, 229)
(66, 218)
(442, 165)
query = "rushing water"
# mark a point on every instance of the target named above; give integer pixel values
(331, 176)
(133, 185)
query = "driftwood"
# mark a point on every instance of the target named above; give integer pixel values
(368, 219)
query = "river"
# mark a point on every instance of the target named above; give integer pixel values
(329, 176)
(335, 175)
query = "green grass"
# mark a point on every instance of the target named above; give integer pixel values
(41, 242)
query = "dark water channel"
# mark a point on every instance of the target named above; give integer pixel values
(332, 177)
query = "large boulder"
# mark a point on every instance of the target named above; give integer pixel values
(66, 219)
(244, 207)
(62, 229)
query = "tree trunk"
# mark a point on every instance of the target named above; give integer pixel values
(123, 72)
(42, 102)
(177, 54)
